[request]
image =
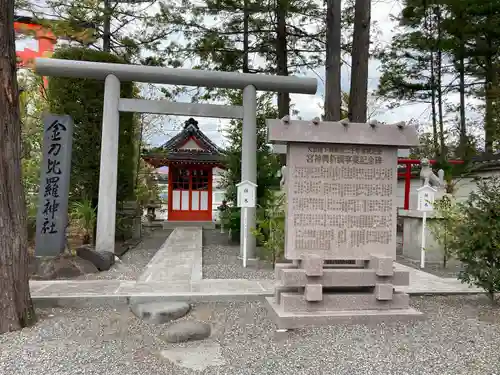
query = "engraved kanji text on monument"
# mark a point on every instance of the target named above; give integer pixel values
(341, 201)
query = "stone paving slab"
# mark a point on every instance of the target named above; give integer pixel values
(178, 260)
(160, 286)
(206, 290)
(74, 288)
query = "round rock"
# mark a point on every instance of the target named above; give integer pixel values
(160, 312)
(187, 331)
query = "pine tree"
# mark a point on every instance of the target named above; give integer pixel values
(124, 28)
(250, 36)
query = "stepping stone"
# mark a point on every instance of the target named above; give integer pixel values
(195, 356)
(187, 331)
(160, 312)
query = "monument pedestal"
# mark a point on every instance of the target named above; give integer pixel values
(312, 294)
(341, 184)
(285, 320)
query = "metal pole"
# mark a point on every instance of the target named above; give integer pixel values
(249, 166)
(106, 211)
(422, 250)
(245, 238)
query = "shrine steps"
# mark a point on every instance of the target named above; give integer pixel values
(181, 224)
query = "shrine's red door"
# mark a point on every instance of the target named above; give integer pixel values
(190, 193)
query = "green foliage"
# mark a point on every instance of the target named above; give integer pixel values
(32, 105)
(270, 231)
(474, 235)
(123, 227)
(443, 227)
(82, 99)
(220, 45)
(147, 189)
(267, 162)
(231, 219)
(84, 215)
(458, 38)
(134, 27)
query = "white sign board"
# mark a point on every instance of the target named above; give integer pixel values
(426, 196)
(246, 194)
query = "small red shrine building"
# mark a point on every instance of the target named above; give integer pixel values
(191, 157)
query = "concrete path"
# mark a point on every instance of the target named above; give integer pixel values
(421, 283)
(178, 260)
(175, 272)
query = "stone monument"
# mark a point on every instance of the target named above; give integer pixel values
(340, 188)
(52, 216)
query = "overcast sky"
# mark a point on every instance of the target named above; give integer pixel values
(308, 105)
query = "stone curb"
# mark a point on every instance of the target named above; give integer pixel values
(114, 300)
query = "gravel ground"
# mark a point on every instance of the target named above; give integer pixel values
(460, 336)
(134, 260)
(220, 260)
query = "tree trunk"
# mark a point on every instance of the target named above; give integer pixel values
(428, 33)
(333, 100)
(281, 55)
(463, 128)
(358, 95)
(246, 44)
(490, 88)
(435, 136)
(439, 87)
(16, 308)
(106, 35)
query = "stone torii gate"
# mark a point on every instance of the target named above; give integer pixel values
(112, 74)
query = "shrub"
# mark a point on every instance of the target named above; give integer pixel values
(83, 214)
(443, 227)
(230, 218)
(475, 237)
(270, 231)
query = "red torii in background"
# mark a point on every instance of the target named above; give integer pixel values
(45, 38)
(407, 175)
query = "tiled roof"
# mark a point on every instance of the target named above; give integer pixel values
(485, 162)
(191, 129)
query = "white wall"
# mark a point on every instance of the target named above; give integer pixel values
(463, 188)
(217, 192)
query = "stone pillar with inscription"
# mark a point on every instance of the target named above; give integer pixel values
(52, 216)
(341, 206)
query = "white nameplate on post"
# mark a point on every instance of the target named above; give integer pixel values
(426, 196)
(246, 193)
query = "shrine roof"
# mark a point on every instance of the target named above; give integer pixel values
(190, 129)
(486, 162)
(204, 150)
(184, 155)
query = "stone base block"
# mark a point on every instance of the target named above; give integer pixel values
(279, 289)
(283, 266)
(289, 276)
(295, 302)
(290, 320)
